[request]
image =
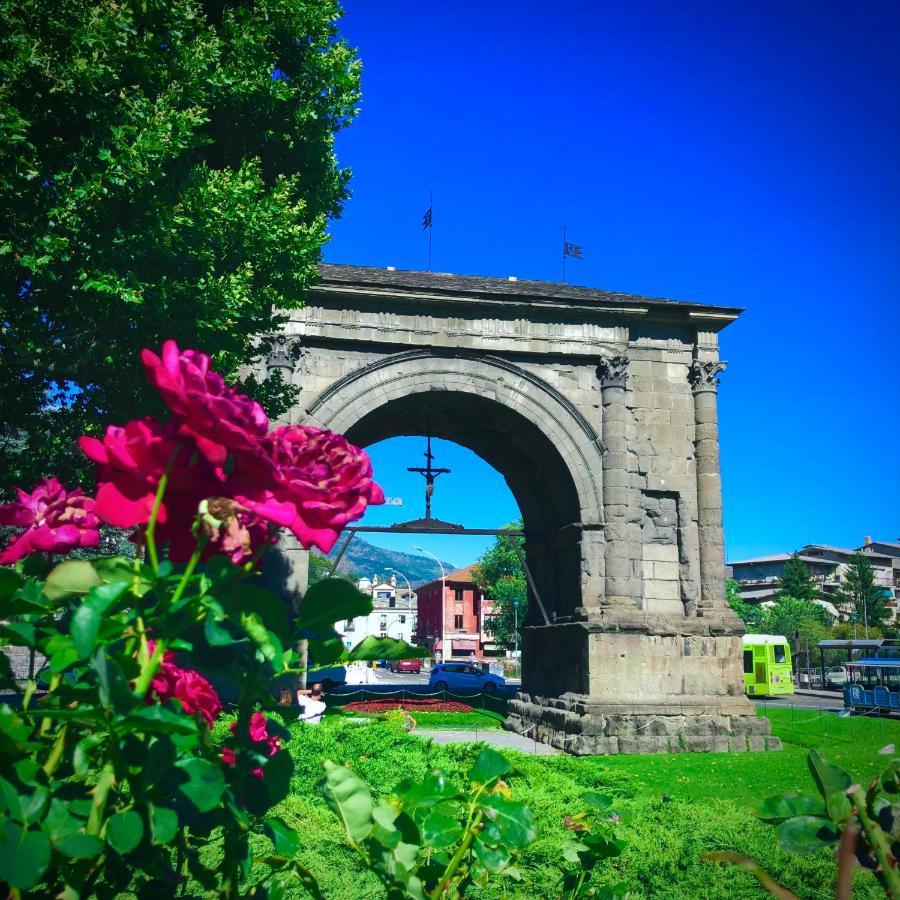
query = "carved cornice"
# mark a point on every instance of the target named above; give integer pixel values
(613, 371)
(282, 352)
(704, 376)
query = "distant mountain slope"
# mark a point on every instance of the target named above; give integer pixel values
(363, 558)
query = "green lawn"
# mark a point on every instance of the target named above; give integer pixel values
(745, 778)
(675, 807)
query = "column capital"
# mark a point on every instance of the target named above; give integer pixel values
(281, 353)
(704, 376)
(613, 371)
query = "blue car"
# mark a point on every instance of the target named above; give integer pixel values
(460, 676)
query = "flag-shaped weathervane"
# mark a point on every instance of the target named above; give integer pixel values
(576, 251)
(426, 224)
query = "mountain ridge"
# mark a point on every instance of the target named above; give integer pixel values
(365, 559)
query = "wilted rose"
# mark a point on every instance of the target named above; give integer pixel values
(55, 521)
(309, 480)
(218, 417)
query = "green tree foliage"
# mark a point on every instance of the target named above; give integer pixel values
(752, 615)
(859, 596)
(166, 170)
(797, 581)
(789, 615)
(500, 575)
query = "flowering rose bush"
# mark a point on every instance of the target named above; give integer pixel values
(112, 777)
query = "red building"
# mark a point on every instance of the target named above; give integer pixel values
(464, 609)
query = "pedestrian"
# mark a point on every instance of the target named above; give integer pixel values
(312, 704)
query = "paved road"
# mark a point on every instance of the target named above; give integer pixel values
(801, 701)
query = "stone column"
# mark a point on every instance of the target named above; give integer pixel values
(704, 379)
(286, 566)
(622, 588)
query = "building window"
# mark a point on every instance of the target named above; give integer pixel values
(459, 594)
(402, 620)
(349, 626)
(382, 624)
(458, 622)
(392, 602)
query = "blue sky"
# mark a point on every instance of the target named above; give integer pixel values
(734, 153)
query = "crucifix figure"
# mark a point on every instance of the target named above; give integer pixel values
(429, 473)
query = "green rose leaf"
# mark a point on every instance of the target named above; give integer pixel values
(349, 796)
(805, 834)
(163, 824)
(598, 802)
(787, 806)
(24, 855)
(829, 779)
(124, 831)
(74, 576)
(89, 616)
(512, 819)
(10, 581)
(440, 830)
(489, 765)
(494, 859)
(332, 600)
(373, 647)
(205, 782)
(79, 845)
(285, 840)
(161, 720)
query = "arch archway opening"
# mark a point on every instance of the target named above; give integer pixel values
(533, 467)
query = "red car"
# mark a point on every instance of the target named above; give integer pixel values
(406, 665)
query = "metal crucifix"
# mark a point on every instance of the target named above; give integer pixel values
(429, 473)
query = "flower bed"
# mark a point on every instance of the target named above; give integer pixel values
(422, 704)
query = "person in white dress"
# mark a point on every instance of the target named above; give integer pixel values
(312, 704)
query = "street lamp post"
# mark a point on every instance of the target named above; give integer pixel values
(443, 595)
(516, 611)
(408, 594)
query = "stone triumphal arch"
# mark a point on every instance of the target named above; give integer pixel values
(599, 409)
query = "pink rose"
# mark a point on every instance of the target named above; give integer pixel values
(309, 480)
(187, 686)
(197, 695)
(131, 460)
(55, 521)
(218, 417)
(258, 732)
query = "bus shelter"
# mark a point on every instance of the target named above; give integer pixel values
(860, 648)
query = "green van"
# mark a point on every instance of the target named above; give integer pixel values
(767, 665)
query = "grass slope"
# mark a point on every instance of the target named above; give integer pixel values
(676, 807)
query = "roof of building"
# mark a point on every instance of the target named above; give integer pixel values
(829, 548)
(464, 575)
(781, 557)
(449, 284)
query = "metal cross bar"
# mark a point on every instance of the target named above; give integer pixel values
(534, 590)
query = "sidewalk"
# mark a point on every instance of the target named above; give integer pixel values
(813, 692)
(507, 740)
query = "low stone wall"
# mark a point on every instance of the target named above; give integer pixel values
(579, 726)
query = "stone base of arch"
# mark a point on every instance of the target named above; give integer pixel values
(646, 689)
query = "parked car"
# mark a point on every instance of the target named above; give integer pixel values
(836, 677)
(461, 676)
(327, 676)
(405, 665)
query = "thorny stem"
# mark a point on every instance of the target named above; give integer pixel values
(878, 842)
(101, 792)
(150, 531)
(142, 685)
(189, 570)
(56, 751)
(474, 820)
